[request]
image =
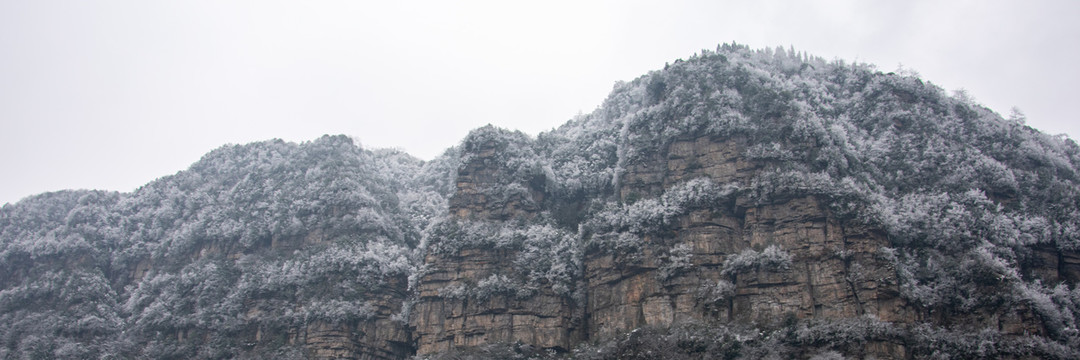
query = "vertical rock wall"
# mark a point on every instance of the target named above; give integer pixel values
(837, 269)
(445, 318)
(835, 272)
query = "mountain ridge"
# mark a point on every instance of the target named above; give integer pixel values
(740, 203)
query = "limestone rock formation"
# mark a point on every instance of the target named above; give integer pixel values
(739, 204)
(445, 320)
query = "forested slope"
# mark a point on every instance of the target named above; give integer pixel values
(252, 242)
(740, 203)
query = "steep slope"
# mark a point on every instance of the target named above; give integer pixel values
(739, 204)
(772, 190)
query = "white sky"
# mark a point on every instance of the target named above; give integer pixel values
(113, 94)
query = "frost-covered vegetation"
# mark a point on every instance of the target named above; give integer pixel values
(770, 259)
(270, 236)
(263, 236)
(966, 198)
(964, 195)
(542, 256)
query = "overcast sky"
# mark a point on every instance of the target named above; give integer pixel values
(113, 94)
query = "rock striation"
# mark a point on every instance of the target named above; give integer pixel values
(443, 317)
(836, 271)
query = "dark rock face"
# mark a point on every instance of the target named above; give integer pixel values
(720, 160)
(444, 321)
(834, 271)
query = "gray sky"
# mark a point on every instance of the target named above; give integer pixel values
(113, 94)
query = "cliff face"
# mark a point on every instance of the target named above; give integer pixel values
(379, 337)
(835, 269)
(834, 273)
(740, 204)
(444, 321)
(446, 316)
(712, 195)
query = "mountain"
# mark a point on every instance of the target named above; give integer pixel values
(738, 204)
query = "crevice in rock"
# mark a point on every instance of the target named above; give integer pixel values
(848, 277)
(814, 307)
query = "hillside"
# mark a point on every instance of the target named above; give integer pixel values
(738, 204)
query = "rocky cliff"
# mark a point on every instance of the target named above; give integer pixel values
(739, 204)
(733, 203)
(832, 270)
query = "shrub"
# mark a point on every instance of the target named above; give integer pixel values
(770, 259)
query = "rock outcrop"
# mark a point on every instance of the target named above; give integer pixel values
(444, 320)
(835, 272)
(445, 316)
(837, 268)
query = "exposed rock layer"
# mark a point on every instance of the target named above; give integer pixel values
(837, 271)
(445, 321)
